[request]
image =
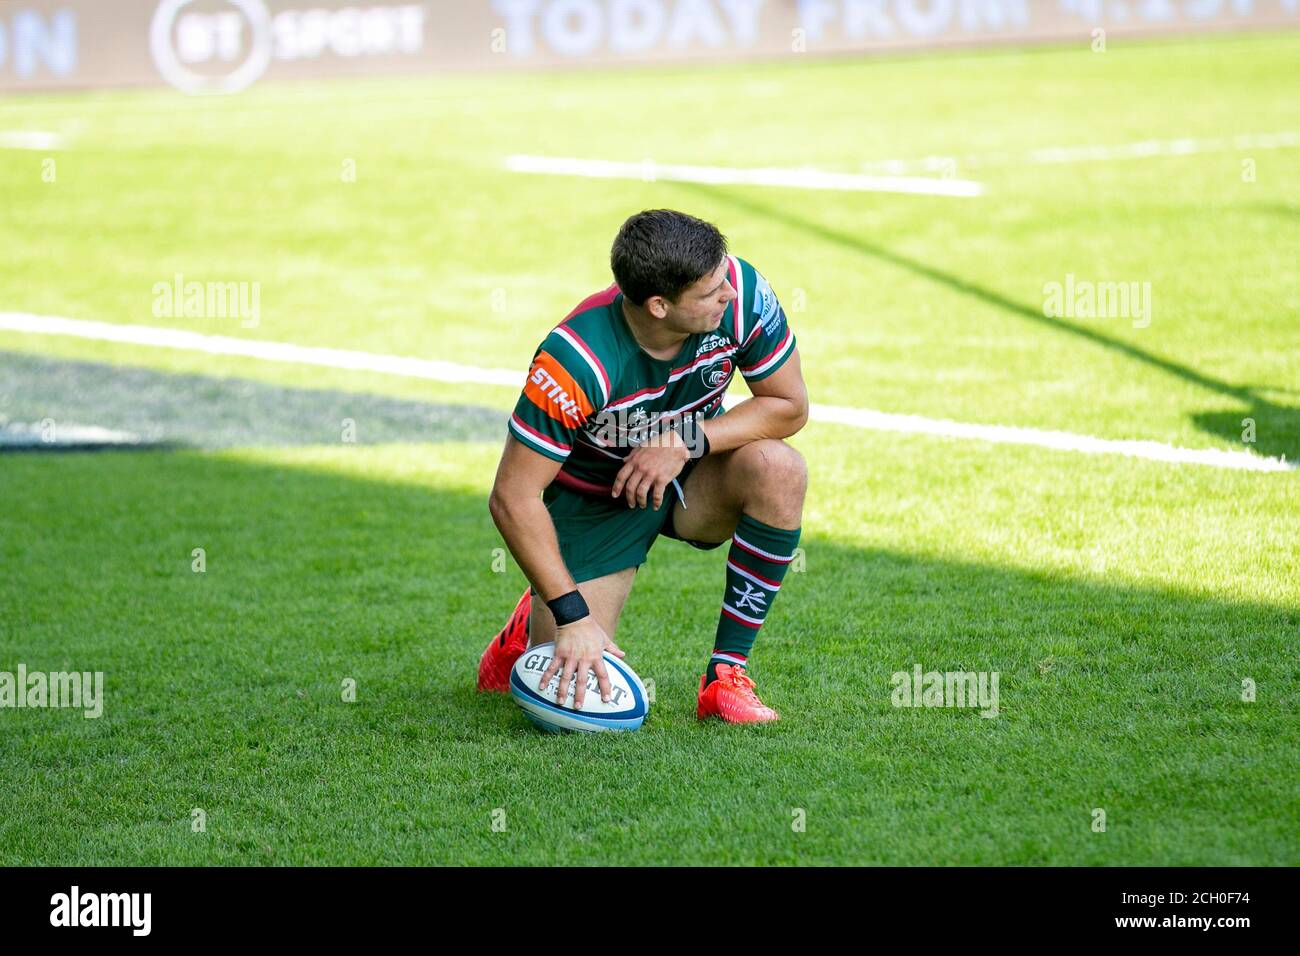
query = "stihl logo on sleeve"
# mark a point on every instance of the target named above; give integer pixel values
(552, 389)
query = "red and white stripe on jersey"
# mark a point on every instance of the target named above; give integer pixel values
(641, 396)
(722, 351)
(531, 436)
(676, 374)
(575, 483)
(698, 402)
(668, 415)
(588, 356)
(738, 283)
(772, 357)
(754, 576)
(760, 553)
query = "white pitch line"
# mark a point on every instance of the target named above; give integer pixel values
(30, 139)
(1088, 153)
(794, 178)
(431, 369)
(1060, 441)
(440, 371)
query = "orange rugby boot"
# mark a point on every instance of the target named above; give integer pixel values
(732, 698)
(504, 649)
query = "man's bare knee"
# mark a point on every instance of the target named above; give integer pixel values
(771, 472)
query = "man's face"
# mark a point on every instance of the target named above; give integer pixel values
(701, 305)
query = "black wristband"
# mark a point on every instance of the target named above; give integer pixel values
(568, 608)
(696, 432)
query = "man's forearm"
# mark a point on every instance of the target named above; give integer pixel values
(763, 416)
(530, 535)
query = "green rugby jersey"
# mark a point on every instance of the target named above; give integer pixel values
(593, 393)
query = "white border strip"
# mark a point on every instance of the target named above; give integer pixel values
(439, 371)
(792, 178)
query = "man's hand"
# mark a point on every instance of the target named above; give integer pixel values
(579, 648)
(648, 469)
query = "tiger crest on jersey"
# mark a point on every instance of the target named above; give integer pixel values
(714, 375)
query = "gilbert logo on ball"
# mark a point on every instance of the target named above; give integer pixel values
(626, 709)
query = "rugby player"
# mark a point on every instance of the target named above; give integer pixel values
(620, 437)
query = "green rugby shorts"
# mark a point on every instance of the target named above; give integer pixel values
(599, 534)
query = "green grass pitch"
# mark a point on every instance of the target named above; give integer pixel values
(1122, 601)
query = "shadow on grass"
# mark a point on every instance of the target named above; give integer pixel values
(225, 691)
(160, 410)
(1277, 427)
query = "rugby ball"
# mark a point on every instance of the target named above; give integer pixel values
(626, 710)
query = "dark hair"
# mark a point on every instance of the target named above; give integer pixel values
(661, 252)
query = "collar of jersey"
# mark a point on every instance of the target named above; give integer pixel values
(673, 362)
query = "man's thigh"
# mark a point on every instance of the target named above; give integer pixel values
(605, 597)
(712, 508)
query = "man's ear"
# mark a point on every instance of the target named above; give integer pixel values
(657, 306)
